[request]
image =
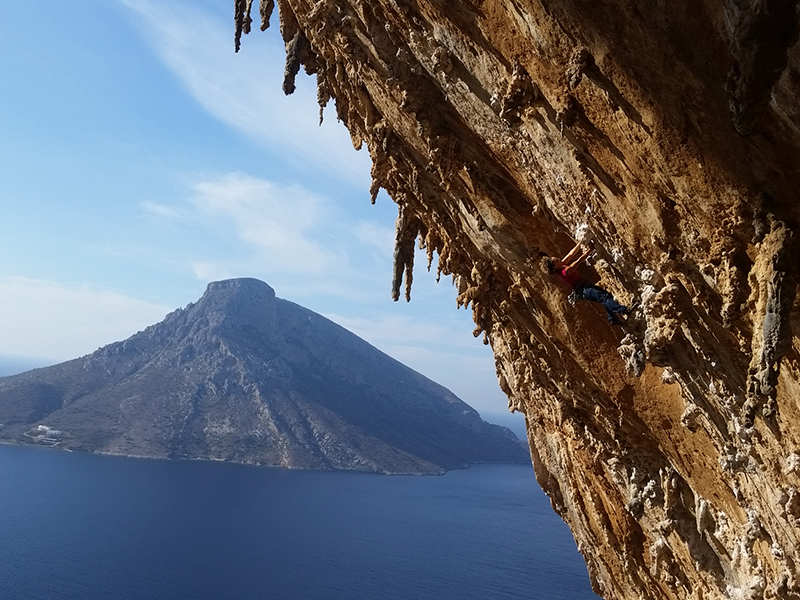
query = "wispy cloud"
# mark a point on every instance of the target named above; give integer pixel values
(376, 236)
(244, 90)
(212, 271)
(54, 321)
(282, 223)
(161, 210)
(300, 241)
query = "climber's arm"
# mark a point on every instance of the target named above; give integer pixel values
(569, 258)
(574, 264)
(574, 258)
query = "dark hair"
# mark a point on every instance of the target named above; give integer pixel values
(548, 265)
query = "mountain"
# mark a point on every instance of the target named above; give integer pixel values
(668, 134)
(247, 377)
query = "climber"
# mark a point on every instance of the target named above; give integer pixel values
(567, 270)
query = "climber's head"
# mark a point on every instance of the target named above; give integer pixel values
(551, 264)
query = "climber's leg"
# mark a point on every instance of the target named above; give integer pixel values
(598, 294)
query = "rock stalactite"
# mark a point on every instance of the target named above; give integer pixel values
(669, 134)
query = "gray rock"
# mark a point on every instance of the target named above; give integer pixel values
(246, 377)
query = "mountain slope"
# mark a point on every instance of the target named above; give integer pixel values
(244, 376)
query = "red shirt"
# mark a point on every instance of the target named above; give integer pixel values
(569, 278)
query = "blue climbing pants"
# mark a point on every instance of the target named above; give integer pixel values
(595, 293)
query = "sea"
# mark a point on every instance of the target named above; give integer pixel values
(84, 526)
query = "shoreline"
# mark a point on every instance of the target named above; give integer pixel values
(442, 471)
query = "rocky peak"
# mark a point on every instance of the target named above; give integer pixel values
(243, 303)
(232, 310)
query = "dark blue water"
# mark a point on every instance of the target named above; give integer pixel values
(84, 527)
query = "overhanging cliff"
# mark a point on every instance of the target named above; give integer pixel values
(671, 132)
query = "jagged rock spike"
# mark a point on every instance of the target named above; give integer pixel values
(407, 228)
(242, 20)
(294, 55)
(265, 8)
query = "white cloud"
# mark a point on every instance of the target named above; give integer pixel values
(377, 236)
(284, 224)
(58, 322)
(209, 271)
(304, 244)
(244, 90)
(161, 210)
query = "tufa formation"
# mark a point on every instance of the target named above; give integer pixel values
(669, 134)
(246, 377)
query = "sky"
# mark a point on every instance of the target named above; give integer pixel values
(141, 158)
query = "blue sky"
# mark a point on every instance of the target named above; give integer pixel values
(141, 158)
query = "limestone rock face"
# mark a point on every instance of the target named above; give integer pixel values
(669, 134)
